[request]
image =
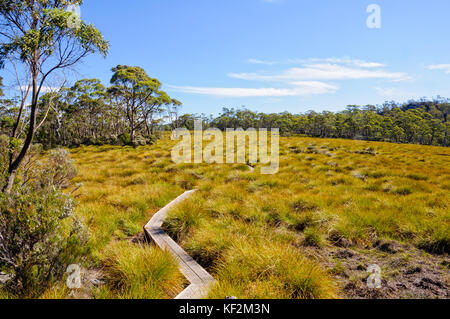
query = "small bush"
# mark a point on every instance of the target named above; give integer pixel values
(40, 238)
(125, 139)
(59, 170)
(4, 141)
(208, 248)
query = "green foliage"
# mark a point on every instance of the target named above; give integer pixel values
(127, 113)
(125, 139)
(61, 171)
(141, 98)
(51, 29)
(40, 236)
(4, 143)
(90, 114)
(421, 122)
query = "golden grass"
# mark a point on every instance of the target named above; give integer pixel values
(141, 273)
(250, 230)
(121, 190)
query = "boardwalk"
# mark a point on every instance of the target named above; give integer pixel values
(199, 278)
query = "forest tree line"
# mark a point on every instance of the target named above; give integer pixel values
(127, 112)
(416, 122)
(134, 109)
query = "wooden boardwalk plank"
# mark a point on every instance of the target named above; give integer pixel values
(199, 278)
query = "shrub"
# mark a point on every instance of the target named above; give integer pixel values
(4, 141)
(140, 141)
(60, 169)
(39, 236)
(125, 139)
(39, 239)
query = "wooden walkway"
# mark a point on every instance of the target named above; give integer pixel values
(199, 278)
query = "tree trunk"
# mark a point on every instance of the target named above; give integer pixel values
(15, 164)
(132, 135)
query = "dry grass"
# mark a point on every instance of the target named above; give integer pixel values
(122, 189)
(251, 231)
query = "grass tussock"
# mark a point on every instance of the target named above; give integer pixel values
(136, 272)
(264, 271)
(252, 231)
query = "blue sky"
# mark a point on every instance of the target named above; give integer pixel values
(277, 55)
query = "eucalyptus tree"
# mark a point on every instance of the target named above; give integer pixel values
(41, 37)
(89, 101)
(138, 94)
(173, 111)
(153, 109)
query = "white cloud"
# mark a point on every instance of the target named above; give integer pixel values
(256, 61)
(444, 67)
(309, 78)
(364, 64)
(327, 71)
(345, 60)
(300, 88)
